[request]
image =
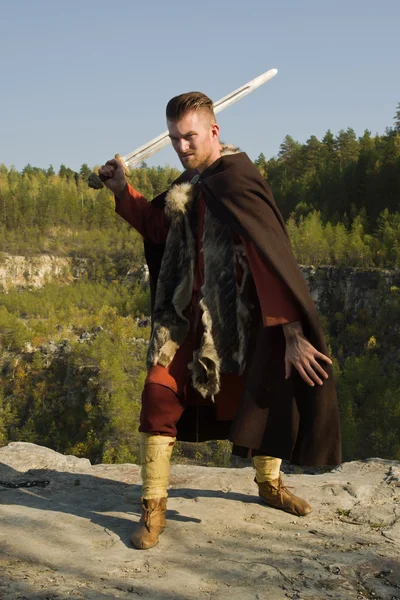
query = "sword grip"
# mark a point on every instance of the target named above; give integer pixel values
(95, 181)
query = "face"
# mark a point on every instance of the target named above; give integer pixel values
(195, 139)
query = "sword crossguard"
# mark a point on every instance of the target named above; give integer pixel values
(95, 181)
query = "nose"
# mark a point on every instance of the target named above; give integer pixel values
(182, 146)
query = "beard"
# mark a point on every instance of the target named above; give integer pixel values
(194, 160)
(188, 161)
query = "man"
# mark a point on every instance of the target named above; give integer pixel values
(236, 349)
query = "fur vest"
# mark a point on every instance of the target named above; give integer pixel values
(225, 310)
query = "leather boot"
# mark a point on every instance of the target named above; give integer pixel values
(277, 495)
(152, 523)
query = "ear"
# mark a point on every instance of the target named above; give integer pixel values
(215, 131)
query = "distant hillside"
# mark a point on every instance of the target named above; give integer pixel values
(340, 196)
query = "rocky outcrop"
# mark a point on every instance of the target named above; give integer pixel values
(71, 538)
(346, 289)
(35, 271)
(26, 272)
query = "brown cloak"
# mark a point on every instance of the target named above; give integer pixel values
(278, 417)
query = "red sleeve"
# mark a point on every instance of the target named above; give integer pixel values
(147, 219)
(278, 306)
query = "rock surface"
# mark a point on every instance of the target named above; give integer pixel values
(71, 538)
(346, 289)
(32, 271)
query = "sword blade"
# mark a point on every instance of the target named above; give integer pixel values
(159, 142)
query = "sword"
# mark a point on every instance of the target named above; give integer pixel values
(147, 150)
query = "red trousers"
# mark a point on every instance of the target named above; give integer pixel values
(167, 390)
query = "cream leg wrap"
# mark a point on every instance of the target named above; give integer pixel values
(155, 457)
(267, 468)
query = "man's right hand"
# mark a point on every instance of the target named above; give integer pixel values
(114, 175)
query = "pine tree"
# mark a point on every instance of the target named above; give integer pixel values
(347, 146)
(329, 148)
(397, 119)
(313, 153)
(262, 165)
(84, 172)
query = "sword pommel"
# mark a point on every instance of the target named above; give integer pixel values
(95, 181)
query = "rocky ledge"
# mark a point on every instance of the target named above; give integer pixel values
(70, 539)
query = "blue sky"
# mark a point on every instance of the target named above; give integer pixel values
(84, 79)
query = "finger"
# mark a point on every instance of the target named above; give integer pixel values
(318, 368)
(113, 162)
(106, 171)
(323, 357)
(312, 373)
(305, 376)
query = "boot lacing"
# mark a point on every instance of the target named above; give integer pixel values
(284, 488)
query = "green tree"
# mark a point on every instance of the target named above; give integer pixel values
(84, 172)
(347, 146)
(397, 119)
(262, 165)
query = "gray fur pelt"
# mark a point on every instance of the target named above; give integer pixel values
(224, 307)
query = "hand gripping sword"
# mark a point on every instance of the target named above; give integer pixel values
(147, 150)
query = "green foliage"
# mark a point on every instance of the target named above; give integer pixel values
(76, 395)
(370, 409)
(317, 243)
(7, 419)
(367, 370)
(13, 332)
(397, 119)
(343, 182)
(338, 175)
(41, 212)
(215, 453)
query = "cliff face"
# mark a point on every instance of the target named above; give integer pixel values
(35, 271)
(71, 538)
(341, 289)
(26, 272)
(334, 289)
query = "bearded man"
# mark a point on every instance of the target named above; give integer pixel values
(236, 349)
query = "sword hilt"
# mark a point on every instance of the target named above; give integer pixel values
(95, 181)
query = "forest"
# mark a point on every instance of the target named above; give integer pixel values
(72, 355)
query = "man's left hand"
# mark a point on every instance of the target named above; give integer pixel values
(303, 356)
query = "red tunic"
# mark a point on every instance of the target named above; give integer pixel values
(276, 302)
